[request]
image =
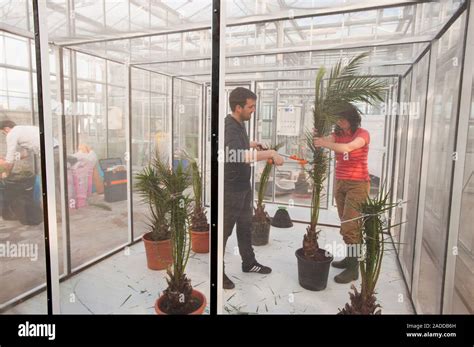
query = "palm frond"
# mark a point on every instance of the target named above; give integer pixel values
(152, 192)
(265, 176)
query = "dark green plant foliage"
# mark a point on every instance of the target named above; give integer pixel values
(178, 299)
(164, 190)
(157, 198)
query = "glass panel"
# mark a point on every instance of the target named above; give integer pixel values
(417, 117)
(95, 204)
(295, 101)
(92, 119)
(150, 121)
(402, 134)
(463, 296)
(140, 144)
(115, 74)
(186, 115)
(90, 68)
(440, 149)
(14, 13)
(295, 106)
(22, 254)
(116, 122)
(15, 91)
(16, 50)
(283, 114)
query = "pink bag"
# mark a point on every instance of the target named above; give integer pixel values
(81, 174)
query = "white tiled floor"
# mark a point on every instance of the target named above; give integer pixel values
(122, 284)
(302, 214)
(280, 292)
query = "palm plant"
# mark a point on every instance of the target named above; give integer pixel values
(178, 297)
(199, 219)
(374, 235)
(260, 215)
(332, 96)
(156, 197)
(261, 220)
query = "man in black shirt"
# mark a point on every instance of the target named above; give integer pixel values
(239, 153)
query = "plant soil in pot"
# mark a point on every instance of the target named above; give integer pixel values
(313, 274)
(158, 253)
(199, 231)
(282, 219)
(196, 305)
(260, 227)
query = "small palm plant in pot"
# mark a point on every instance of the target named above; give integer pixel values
(261, 220)
(199, 224)
(157, 241)
(332, 95)
(374, 234)
(179, 297)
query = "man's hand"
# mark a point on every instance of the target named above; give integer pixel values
(278, 159)
(258, 146)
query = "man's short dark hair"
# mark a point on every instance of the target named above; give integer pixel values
(7, 124)
(239, 96)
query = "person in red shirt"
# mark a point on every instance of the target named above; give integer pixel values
(350, 142)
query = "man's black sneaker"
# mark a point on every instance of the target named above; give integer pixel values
(227, 283)
(258, 268)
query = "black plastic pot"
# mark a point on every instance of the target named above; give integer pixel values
(260, 233)
(282, 219)
(312, 274)
(18, 199)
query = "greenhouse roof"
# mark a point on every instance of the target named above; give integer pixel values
(264, 38)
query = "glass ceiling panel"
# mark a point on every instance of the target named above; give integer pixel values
(357, 27)
(13, 13)
(380, 58)
(91, 19)
(397, 25)
(244, 8)
(394, 35)
(307, 76)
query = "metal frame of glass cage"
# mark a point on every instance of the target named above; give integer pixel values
(218, 60)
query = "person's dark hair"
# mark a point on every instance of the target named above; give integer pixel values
(7, 124)
(352, 115)
(239, 96)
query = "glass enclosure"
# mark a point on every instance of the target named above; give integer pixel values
(131, 80)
